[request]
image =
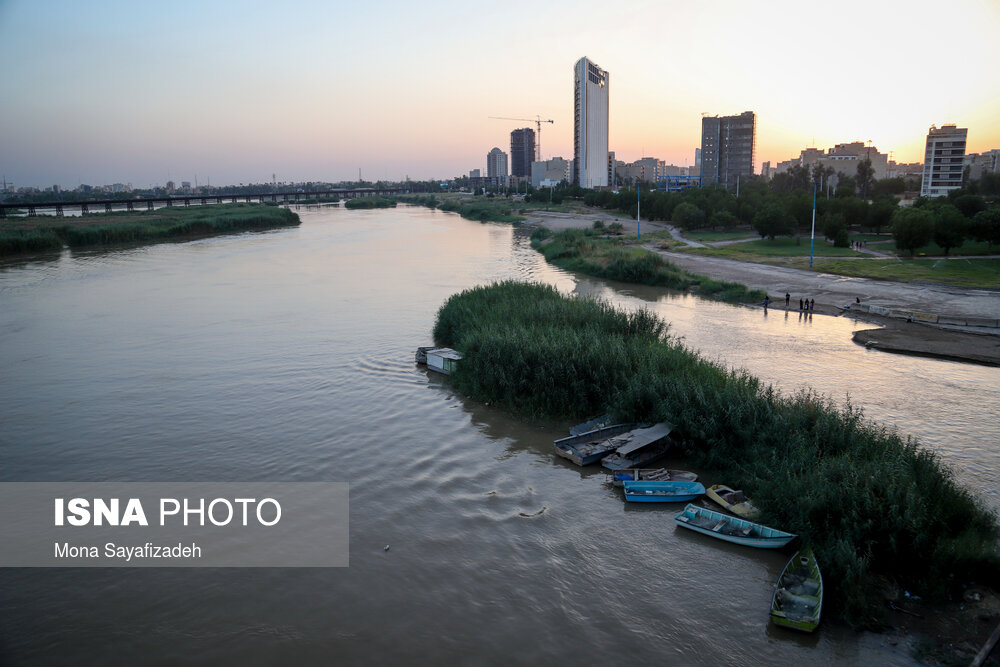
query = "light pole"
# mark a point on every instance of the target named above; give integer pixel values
(812, 240)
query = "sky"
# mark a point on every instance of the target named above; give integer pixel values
(234, 92)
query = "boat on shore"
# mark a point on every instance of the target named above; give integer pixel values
(592, 446)
(644, 446)
(619, 477)
(733, 501)
(797, 602)
(663, 492)
(732, 528)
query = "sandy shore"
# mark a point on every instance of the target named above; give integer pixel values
(832, 293)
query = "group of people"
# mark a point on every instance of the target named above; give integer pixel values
(857, 245)
(805, 305)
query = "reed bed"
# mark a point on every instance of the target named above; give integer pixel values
(878, 509)
(583, 251)
(141, 227)
(370, 202)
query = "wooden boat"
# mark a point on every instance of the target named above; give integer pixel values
(732, 528)
(645, 445)
(798, 596)
(652, 475)
(443, 359)
(663, 492)
(592, 446)
(733, 501)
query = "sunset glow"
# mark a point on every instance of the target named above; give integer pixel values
(113, 91)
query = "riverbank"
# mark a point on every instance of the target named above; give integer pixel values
(39, 234)
(832, 293)
(875, 506)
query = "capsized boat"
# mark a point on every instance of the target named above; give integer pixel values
(592, 446)
(646, 445)
(732, 528)
(734, 501)
(652, 475)
(662, 492)
(798, 595)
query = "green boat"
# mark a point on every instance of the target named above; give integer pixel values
(798, 596)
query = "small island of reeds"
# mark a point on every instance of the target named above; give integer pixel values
(370, 202)
(48, 233)
(880, 510)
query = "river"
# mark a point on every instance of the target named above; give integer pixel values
(288, 356)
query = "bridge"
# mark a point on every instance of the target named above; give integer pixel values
(149, 203)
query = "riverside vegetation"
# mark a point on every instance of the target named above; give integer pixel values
(610, 258)
(370, 202)
(878, 509)
(45, 233)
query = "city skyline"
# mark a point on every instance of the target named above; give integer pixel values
(111, 92)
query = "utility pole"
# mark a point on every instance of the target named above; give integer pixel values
(812, 240)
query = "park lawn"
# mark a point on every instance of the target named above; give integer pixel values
(705, 236)
(779, 247)
(869, 238)
(967, 248)
(963, 272)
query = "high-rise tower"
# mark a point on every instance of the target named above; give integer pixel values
(943, 160)
(496, 163)
(728, 148)
(590, 131)
(522, 151)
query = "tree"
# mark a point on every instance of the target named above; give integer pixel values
(969, 205)
(949, 227)
(985, 226)
(866, 176)
(688, 216)
(831, 223)
(889, 186)
(773, 221)
(912, 228)
(724, 219)
(880, 214)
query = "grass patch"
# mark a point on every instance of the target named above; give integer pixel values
(779, 247)
(49, 233)
(581, 250)
(871, 503)
(370, 202)
(981, 272)
(480, 209)
(711, 237)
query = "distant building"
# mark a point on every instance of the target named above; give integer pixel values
(728, 148)
(842, 159)
(983, 163)
(186, 185)
(475, 173)
(544, 173)
(766, 171)
(522, 151)
(496, 163)
(590, 129)
(944, 159)
(611, 168)
(697, 157)
(489, 182)
(647, 169)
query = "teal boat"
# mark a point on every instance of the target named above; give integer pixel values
(662, 492)
(798, 596)
(732, 529)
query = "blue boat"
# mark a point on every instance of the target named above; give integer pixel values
(662, 492)
(592, 446)
(732, 529)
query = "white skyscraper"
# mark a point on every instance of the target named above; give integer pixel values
(590, 132)
(943, 160)
(496, 163)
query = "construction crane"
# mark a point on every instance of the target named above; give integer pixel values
(537, 120)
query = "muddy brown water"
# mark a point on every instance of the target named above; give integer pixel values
(288, 356)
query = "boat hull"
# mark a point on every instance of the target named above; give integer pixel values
(797, 602)
(745, 509)
(732, 529)
(663, 492)
(590, 447)
(619, 477)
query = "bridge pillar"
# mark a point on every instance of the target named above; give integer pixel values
(83, 209)
(129, 206)
(170, 202)
(31, 211)
(107, 208)
(187, 201)
(3, 212)
(59, 210)
(149, 205)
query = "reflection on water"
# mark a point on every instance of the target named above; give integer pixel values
(289, 356)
